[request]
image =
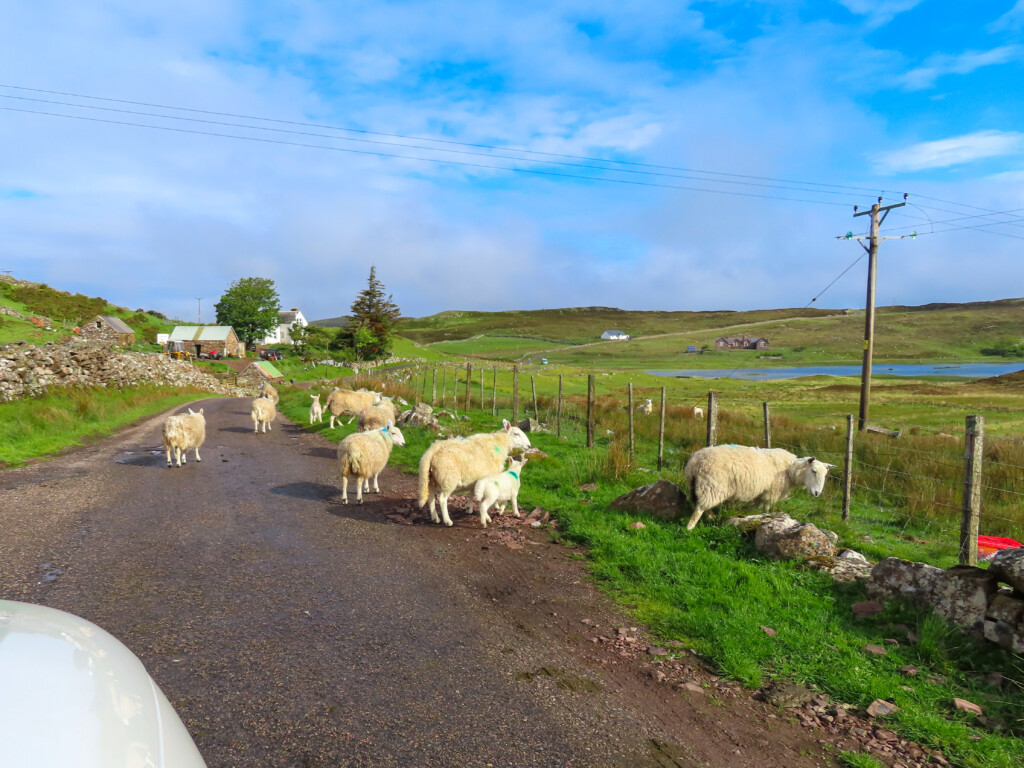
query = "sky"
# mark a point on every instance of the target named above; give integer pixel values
(513, 155)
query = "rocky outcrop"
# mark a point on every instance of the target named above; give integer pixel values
(420, 416)
(969, 597)
(27, 370)
(662, 499)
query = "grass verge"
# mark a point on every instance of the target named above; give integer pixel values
(35, 427)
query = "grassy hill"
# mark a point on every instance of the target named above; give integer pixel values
(934, 332)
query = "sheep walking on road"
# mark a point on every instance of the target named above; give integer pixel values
(316, 411)
(737, 473)
(363, 455)
(456, 464)
(500, 489)
(267, 391)
(182, 432)
(263, 412)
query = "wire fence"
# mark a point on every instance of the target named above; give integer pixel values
(912, 480)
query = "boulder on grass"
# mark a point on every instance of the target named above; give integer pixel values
(662, 499)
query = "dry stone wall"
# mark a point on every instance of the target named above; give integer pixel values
(27, 370)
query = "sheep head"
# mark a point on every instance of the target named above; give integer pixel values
(812, 474)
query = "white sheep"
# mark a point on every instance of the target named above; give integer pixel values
(698, 412)
(737, 473)
(267, 391)
(499, 489)
(263, 412)
(377, 416)
(647, 408)
(345, 402)
(456, 464)
(183, 431)
(316, 411)
(363, 455)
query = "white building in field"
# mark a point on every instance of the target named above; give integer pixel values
(615, 336)
(285, 322)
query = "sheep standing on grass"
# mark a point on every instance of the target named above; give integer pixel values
(500, 489)
(345, 402)
(263, 412)
(316, 411)
(363, 455)
(698, 412)
(647, 408)
(456, 464)
(737, 473)
(183, 431)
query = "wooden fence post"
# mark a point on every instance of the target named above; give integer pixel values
(515, 394)
(712, 419)
(469, 382)
(974, 444)
(482, 408)
(767, 427)
(590, 411)
(661, 433)
(444, 383)
(848, 472)
(533, 386)
(494, 391)
(433, 388)
(558, 412)
(630, 407)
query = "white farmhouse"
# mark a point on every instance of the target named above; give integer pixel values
(615, 336)
(285, 322)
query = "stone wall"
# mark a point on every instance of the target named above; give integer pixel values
(27, 370)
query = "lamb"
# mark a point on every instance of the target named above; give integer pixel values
(345, 402)
(766, 476)
(499, 489)
(698, 412)
(267, 391)
(364, 455)
(263, 412)
(647, 408)
(456, 464)
(316, 411)
(376, 416)
(183, 431)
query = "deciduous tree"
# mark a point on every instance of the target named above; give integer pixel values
(250, 306)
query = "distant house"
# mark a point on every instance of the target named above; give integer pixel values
(208, 338)
(282, 334)
(112, 330)
(259, 371)
(615, 336)
(741, 342)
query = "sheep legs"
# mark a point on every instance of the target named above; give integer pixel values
(443, 498)
(484, 517)
(698, 511)
(359, 489)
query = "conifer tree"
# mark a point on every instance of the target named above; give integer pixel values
(373, 320)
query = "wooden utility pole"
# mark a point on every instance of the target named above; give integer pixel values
(878, 212)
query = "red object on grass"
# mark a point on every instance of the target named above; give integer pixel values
(989, 545)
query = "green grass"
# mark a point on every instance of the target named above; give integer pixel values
(858, 760)
(34, 427)
(713, 592)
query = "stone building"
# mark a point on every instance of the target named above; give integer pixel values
(258, 371)
(208, 338)
(106, 328)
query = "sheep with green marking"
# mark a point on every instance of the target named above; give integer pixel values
(499, 489)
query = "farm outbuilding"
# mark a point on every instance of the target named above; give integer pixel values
(257, 372)
(208, 338)
(107, 328)
(615, 336)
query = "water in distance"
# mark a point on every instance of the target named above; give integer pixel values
(966, 370)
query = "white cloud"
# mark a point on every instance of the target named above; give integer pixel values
(1012, 20)
(947, 152)
(879, 12)
(936, 66)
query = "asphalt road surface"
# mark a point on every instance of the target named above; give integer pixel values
(291, 630)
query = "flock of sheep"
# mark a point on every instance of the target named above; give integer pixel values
(477, 464)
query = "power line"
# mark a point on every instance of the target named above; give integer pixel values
(434, 140)
(424, 159)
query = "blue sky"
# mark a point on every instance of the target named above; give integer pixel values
(666, 155)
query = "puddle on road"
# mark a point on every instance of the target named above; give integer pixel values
(51, 572)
